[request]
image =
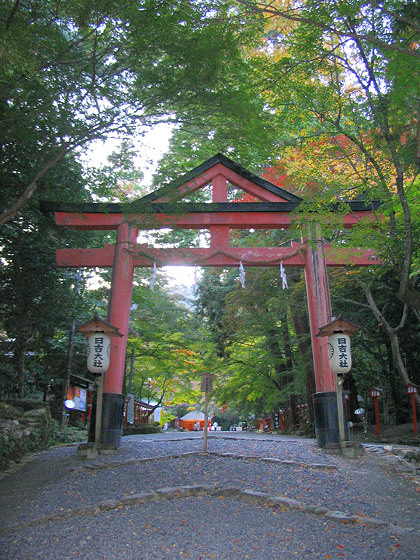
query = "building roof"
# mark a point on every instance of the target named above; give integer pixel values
(193, 415)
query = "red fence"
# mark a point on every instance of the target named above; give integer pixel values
(139, 413)
(282, 420)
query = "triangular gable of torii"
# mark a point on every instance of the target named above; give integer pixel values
(221, 172)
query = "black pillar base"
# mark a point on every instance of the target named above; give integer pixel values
(326, 418)
(92, 424)
(112, 419)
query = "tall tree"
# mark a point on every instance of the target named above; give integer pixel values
(354, 69)
(258, 362)
(339, 85)
(77, 71)
(38, 301)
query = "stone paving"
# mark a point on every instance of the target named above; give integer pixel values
(250, 497)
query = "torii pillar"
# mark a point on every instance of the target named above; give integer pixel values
(319, 305)
(119, 304)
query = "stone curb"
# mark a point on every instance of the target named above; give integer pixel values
(115, 464)
(274, 439)
(401, 457)
(251, 496)
(275, 460)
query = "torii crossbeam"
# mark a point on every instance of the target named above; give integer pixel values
(166, 207)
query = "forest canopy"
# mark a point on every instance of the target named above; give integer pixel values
(321, 98)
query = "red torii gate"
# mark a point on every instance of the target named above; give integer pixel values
(164, 208)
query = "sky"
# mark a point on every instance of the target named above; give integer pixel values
(151, 147)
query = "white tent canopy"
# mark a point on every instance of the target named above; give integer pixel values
(193, 415)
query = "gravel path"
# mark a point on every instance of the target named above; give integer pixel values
(59, 506)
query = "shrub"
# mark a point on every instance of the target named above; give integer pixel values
(141, 429)
(28, 428)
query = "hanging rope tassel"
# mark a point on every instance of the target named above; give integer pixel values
(195, 286)
(283, 277)
(153, 277)
(241, 275)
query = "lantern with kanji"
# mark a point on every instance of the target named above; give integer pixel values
(99, 335)
(99, 350)
(338, 331)
(339, 353)
(339, 349)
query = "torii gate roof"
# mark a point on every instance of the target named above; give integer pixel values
(202, 174)
(272, 208)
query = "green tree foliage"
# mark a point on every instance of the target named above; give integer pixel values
(38, 302)
(339, 85)
(165, 349)
(71, 73)
(260, 363)
(354, 69)
(327, 91)
(77, 71)
(339, 82)
(211, 304)
(372, 355)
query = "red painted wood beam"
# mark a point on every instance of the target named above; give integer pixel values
(196, 220)
(219, 234)
(119, 306)
(101, 257)
(212, 175)
(219, 193)
(219, 237)
(145, 256)
(319, 305)
(193, 185)
(249, 186)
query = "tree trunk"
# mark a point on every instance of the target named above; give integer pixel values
(11, 212)
(395, 394)
(288, 364)
(19, 358)
(301, 326)
(392, 334)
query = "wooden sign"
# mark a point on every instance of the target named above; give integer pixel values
(207, 382)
